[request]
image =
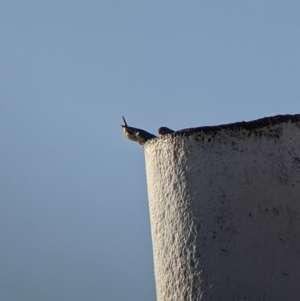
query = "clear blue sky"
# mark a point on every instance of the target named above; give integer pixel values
(74, 219)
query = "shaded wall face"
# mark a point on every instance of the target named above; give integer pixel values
(224, 214)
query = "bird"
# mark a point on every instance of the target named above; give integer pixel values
(164, 130)
(134, 134)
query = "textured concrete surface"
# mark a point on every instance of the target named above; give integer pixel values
(224, 211)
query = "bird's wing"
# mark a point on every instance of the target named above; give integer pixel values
(145, 134)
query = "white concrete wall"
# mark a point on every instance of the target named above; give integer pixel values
(225, 212)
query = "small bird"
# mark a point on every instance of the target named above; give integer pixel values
(164, 130)
(135, 134)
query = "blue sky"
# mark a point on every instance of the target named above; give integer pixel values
(74, 218)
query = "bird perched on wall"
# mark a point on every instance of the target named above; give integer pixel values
(134, 134)
(164, 130)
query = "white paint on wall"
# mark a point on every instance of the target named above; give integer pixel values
(224, 208)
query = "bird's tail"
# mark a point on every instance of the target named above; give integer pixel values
(124, 121)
